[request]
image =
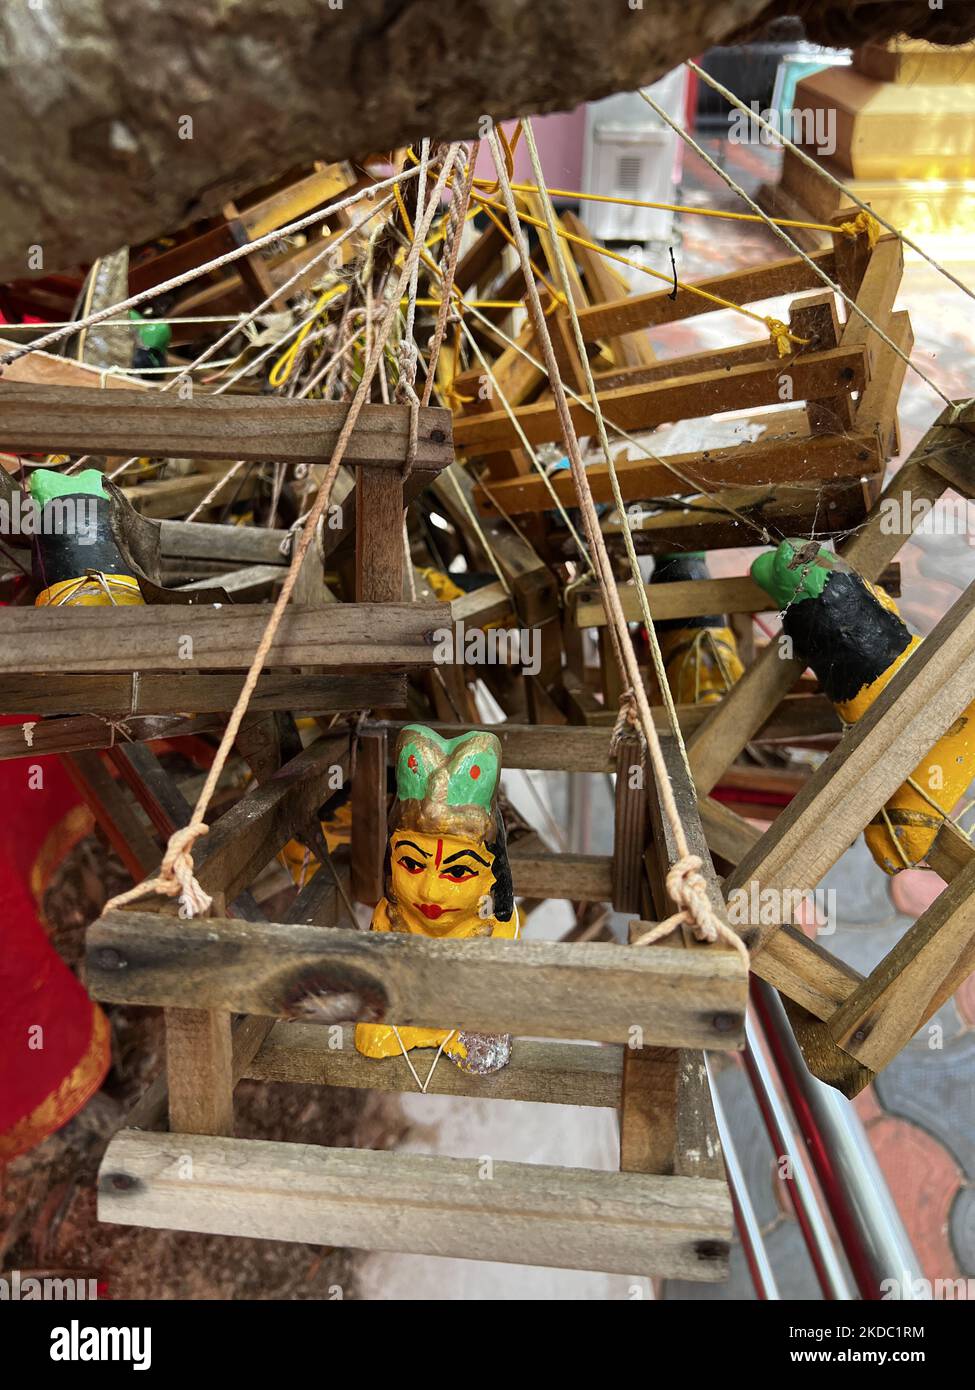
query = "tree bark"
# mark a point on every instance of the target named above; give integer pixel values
(125, 118)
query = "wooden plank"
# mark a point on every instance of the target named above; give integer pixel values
(604, 284)
(630, 826)
(379, 553)
(951, 852)
(526, 1214)
(876, 294)
(573, 877)
(694, 598)
(242, 841)
(814, 317)
(833, 510)
(254, 428)
(75, 734)
(546, 749)
(296, 199)
(228, 545)
(876, 408)
(124, 828)
(150, 694)
(629, 314)
(923, 698)
(369, 817)
(933, 957)
(659, 369)
(209, 636)
(777, 459)
(591, 990)
(813, 376)
(199, 1071)
(556, 1073)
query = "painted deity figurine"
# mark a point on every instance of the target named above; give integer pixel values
(446, 875)
(852, 635)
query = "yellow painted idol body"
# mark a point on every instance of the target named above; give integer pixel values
(447, 874)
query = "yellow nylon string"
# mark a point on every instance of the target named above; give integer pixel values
(851, 229)
(779, 332)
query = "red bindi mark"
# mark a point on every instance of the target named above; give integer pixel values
(439, 852)
(475, 772)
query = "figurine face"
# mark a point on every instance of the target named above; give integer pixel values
(440, 882)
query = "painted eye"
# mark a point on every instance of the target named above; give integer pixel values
(458, 873)
(412, 866)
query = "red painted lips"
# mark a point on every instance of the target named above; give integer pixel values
(431, 911)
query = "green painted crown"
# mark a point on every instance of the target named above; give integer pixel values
(448, 786)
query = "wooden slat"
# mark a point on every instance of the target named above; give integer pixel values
(267, 816)
(933, 957)
(795, 459)
(525, 1214)
(74, 640)
(547, 749)
(72, 735)
(630, 826)
(166, 694)
(379, 554)
(694, 598)
(230, 545)
(590, 990)
(574, 877)
(638, 311)
(556, 1073)
(62, 419)
(199, 1071)
(812, 376)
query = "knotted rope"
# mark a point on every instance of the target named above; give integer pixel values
(687, 885)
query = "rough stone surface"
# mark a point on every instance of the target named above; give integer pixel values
(97, 97)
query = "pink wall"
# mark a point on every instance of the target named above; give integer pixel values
(560, 140)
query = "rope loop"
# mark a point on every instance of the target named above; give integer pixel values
(176, 875)
(864, 224)
(782, 337)
(688, 888)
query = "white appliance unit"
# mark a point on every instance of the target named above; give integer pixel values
(630, 153)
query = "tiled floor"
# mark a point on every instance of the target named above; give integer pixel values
(920, 1115)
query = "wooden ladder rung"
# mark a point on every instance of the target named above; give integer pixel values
(556, 1073)
(593, 990)
(520, 1213)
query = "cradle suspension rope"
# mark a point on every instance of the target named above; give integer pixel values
(176, 876)
(685, 883)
